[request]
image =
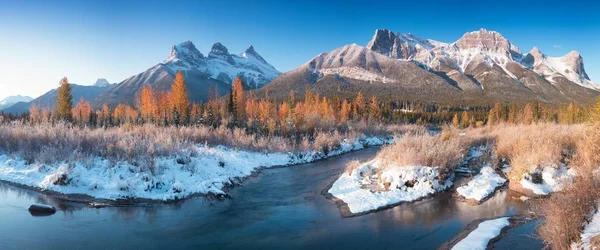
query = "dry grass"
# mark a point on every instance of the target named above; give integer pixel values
(49, 143)
(527, 147)
(566, 211)
(424, 149)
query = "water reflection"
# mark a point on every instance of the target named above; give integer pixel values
(281, 208)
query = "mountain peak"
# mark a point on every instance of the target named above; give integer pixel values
(218, 49)
(250, 51)
(101, 82)
(185, 51)
(490, 41)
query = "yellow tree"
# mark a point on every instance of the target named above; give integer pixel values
(344, 111)
(464, 120)
(527, 115)
(147, 103)
(81, 112)
(359, 103)
(64, 100)
(455, 121)
(595, 114)
(34, 113)
(374, 109)
(179, 98)
(119, 114)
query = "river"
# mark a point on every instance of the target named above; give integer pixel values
(280, 208)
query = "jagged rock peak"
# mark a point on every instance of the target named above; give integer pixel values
(185, 51)
(218, 49)
(489, 41)
(250, 51)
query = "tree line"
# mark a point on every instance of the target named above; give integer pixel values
(264, 115)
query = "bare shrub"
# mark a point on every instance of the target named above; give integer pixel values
(566, 211)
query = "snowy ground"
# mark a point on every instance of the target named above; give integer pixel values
(206, 170)
(485, 231)
(553, 180)
(482, 185)
(407, 183)
(591, 230)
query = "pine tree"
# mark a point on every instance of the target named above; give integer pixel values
(64, 100)
(179, 98)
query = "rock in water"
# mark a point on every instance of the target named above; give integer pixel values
(41, 210)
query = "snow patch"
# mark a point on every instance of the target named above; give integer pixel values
(406, 183)
(552, 180)
(482, 185)
(485, 231)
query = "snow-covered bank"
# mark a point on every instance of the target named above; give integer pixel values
(201, 170)
(591, 231)
(356, 189)
(552, 180)
(482, 185)
(485, 231)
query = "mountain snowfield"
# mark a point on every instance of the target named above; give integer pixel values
(205, 76)
(481, 67)
(11, 100)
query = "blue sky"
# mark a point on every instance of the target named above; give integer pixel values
(85, 40)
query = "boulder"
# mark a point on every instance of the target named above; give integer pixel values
(41, 210)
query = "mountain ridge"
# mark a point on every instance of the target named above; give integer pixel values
(481, 67)
(205, 76)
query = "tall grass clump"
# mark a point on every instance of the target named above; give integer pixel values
(530, 147)
(424, 149)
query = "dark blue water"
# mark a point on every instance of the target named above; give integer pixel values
(279, 209)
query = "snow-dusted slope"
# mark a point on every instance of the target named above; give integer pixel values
(9, 101)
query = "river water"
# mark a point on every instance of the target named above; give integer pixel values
(280, 208)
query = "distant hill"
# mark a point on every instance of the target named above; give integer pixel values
(11, 100)
(48, 100)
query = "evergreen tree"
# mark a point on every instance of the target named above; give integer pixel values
(64, 100)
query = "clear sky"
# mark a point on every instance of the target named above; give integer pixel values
(42, 41)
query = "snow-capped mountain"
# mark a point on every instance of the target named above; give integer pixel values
(101, 82)
(480, 67)
(481, 46)
(204, 75)
(11, 100)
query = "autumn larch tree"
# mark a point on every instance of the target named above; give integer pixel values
(236, 99)
(147, 104)
(64, 100)
(179, 98)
